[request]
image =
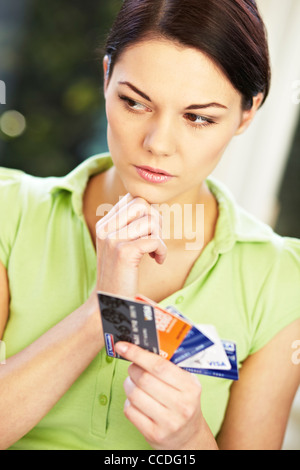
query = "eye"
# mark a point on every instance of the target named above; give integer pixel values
(198, 121)
(132, 105)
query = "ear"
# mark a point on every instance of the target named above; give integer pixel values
(248, 116)
(106, 70)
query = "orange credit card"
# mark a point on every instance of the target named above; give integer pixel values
(171, 329)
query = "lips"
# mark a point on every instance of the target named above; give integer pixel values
(155, 170)
(153, 175)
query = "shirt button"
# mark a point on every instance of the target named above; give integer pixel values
(109, 359)
(179, 299)
(103, 399)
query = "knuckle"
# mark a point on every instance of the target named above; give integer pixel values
(156, 435)
(140, 201)
(160, 365)
(186, 411)
(143, 380)
(133, 396)
(101, 231)
(152, 224)
(111, 239)
(139, 206)
(174, 426)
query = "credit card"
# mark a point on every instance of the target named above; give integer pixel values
(194, 342)
(165, 331)
(231, 374)
(127, 320)
(214, 357)
(171, 329)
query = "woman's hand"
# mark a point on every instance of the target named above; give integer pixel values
(129, 231)
(163, 402)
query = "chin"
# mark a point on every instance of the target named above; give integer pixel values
(151, 194)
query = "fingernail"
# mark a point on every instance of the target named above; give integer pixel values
(121, 348)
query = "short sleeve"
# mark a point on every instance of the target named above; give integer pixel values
(10, 210)
(279, 300)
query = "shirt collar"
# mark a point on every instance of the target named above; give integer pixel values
(75, 182)
(234, 223)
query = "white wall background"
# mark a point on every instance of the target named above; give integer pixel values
(254, 164)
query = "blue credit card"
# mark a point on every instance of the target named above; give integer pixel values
(194, 342)
(232, 374)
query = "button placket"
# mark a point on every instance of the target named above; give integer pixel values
(102, 395)
(179, 300)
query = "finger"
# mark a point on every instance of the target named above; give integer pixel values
(143, 423)
(154, 364)
(159, 253)
(153, 246)
(165, 394)
(131, 252)
(138, 228)
(125, 215)
(122, 202)
(103, 224)
(144, 402)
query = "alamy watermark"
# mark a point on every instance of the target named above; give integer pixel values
(178, 222)
(2, 92)
(296, 353)
(2, 353)
(296, 92)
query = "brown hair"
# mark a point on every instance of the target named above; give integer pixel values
(230, 32)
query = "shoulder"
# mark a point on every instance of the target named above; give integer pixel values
(33, 191)
(263, 267)
(10, 181)
(271, 280)
(11, 187)
(23, 195)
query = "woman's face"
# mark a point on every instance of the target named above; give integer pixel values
(171, 109)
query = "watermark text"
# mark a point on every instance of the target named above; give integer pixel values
(296, 92)
(178, 222)
(296, 353)
(2, 92)
(2, 353)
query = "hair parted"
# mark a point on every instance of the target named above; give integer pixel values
(230, 32)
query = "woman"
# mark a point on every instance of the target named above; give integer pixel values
(182, 78)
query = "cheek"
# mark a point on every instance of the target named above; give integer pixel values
(205, 151)
(119, 120)
(115, 126)
(117, 134)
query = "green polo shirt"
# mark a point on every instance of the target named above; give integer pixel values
(245, 282)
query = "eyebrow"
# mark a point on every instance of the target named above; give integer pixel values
(136, 90)
(191, 107)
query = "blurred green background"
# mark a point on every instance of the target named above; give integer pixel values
(52, 68)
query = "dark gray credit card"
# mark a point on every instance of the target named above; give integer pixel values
(127, 320)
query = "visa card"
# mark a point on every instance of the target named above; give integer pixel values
(214, 357)
(127, 320)
(171, 328)
(231, 374)
(194, 342)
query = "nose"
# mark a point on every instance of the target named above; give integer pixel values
(160, 138)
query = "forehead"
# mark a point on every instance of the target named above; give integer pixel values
(163, 68)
